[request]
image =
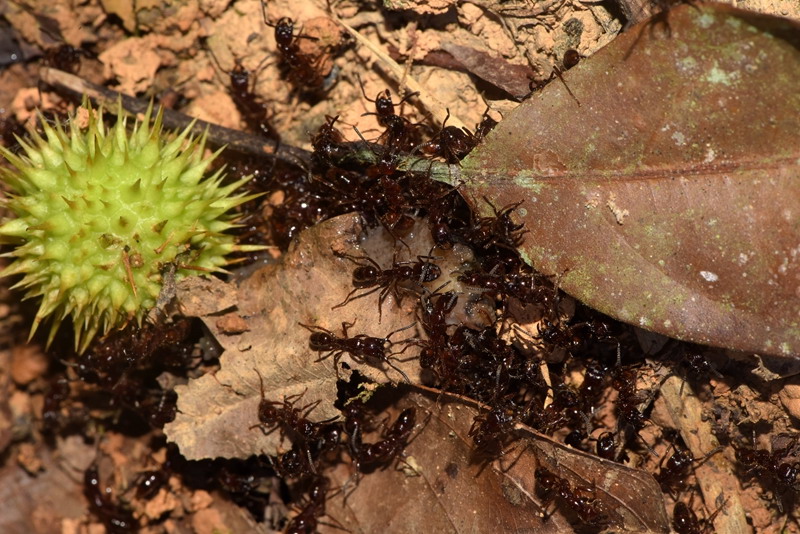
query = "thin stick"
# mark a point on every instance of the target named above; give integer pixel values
(217, 135)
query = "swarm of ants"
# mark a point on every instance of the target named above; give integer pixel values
(117, 381)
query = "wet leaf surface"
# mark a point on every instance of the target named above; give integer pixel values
(668, 198)
(442, 486)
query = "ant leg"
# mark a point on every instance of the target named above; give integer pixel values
(405, 376)
(350, 296)
(345, 326)
(324, 357)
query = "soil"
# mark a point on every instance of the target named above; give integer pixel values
(56, 425)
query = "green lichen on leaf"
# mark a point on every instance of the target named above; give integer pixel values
(102, 212)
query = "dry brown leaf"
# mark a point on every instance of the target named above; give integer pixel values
(216, 412)
(441, 486)
(493, 68)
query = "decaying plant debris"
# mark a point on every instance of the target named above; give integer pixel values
(168, 416)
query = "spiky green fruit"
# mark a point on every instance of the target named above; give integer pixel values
(102, 214)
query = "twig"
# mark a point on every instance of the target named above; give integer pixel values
(716, 474)
(217, 135)
(359, 152)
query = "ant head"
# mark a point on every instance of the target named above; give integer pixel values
(383, 103)
(571, 58)
(284, 30)
(429, 272)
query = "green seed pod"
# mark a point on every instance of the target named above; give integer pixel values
(102, 213)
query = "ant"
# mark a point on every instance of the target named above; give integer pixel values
(451, 143)
(695, 366)
(685, 521)
(328, 141)
(606, 448)
(495, 361)
(398, 134)
(377, 193)
(305, 522)
(295, 462)
(164, 411)
(440, 352)
(594, 378)
(64, 57)
(57, 392)
(10, 130)
(528, 289)
(149, 483)
(242, 482)
(384, 106)
(362, 348)
(395, 439)
(272, 414)
(252, 109)
(303, 69)
(499, 230)
(439, 203)
(580, 499)
(570, 336)
(491, 431)
(116, 519)
(627, 408)
(565, 409)
(558, 334)
(371, 277)
(571, 58)
(772, 465)
(672, 474)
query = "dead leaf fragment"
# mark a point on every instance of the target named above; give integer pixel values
(493, 68)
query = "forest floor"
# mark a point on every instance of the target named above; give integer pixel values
(64, 417)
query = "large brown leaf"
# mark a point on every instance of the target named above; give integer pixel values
(443, 486)
(669, 198)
